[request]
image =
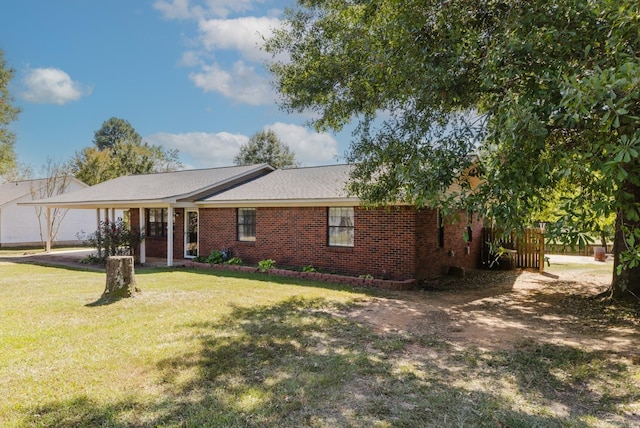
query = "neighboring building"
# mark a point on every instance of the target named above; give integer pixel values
(20, 225)
(297, 217)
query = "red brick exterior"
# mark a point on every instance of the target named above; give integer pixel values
(397, 243)
(433, 259)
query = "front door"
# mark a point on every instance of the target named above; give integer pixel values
(191, 234)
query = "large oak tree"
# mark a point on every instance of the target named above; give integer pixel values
(540, 93)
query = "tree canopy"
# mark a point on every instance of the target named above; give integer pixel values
(529, 95)
(8, 114)
(119, 150)
(265, 147)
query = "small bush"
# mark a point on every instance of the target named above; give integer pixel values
(235, 261)
(265, 265)
(110, 239)
(309, 268)
(215, 257)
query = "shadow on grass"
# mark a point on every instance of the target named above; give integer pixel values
(584, 382)
(260, 277)
(302, 362)
(105, 301)
(54, 263)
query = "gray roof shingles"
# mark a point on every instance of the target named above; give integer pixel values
(168, 186)
(295, 184)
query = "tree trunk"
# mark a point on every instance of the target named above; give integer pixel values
(603, 240)
(625, 285)
(121, 279)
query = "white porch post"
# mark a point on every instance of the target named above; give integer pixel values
(143, 243)
(170, 236)
(47, 246)
(98, 229)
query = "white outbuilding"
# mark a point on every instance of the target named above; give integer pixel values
(24, 225)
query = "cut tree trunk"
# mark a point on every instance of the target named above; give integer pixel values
(121, 278)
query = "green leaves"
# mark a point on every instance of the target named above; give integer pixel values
(265, 147)
(554, 84)
(119, 150)
(8, 113)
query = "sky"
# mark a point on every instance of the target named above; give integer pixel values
(187, 75)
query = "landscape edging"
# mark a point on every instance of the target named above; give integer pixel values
(384, 284)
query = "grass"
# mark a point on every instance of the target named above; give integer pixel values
(19, 251)
(224, 349)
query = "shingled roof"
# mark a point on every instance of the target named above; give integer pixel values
(160, 188)
(296, 186)
(14, 190)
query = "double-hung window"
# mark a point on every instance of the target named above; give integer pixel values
(341, 226)
(246, 224)
(157, 222)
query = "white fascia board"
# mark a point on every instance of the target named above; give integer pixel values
(101, 204)
(343, 202)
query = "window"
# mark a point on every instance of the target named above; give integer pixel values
(157, 222)
(246, 224)
(469, 226)
(341, 230)
(440, 230)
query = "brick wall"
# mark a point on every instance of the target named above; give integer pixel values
(296, 237)
(398, 243)
(433, 259)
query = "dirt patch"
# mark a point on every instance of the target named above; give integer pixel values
(494, 310)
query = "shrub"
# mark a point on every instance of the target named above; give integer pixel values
(234, 261)
(111, 239)
(309, 268)
(215, 257)
(265, 265)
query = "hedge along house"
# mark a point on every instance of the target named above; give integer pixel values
(297, 217)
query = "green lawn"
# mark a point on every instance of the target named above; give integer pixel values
(221, 349)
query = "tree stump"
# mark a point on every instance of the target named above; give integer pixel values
(121, 278)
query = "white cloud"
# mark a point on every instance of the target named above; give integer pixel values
(52, 86)
(192, 9)
(207, 150)
(241, 84)
(190, 59)
(200, 149)
(311, 148)
(241, 38)
(244, 35)
(175, 9)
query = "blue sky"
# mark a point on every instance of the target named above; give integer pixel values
(187, 74)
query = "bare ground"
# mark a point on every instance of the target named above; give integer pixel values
(495, 310)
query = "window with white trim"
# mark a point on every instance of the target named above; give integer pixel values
(246, 224)
(341, 226)
(157, 222)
